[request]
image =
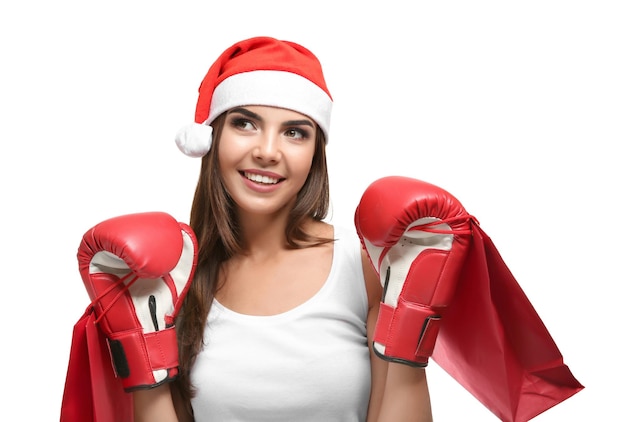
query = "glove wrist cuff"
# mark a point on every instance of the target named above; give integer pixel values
(144, 360)
(406, 333)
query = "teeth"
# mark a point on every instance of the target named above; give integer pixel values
(261, 179)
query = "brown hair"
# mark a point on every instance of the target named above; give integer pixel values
(214, 221)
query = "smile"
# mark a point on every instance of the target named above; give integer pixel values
(260, 179)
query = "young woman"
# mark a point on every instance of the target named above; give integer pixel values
(278, 322)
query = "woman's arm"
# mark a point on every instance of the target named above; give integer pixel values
(379, 372)
(378, 366)
(154, 405)
(406, 395)
(399, 392)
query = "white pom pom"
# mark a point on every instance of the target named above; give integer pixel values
(195, 139)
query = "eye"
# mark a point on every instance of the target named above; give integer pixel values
(242, 124)
(295, 133)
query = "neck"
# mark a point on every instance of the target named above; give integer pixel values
(264, 234)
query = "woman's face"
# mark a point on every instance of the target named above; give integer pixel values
(265, 156)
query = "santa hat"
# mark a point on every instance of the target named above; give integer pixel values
(258, 71)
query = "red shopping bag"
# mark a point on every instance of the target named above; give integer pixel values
(92, 393)
(493, 342)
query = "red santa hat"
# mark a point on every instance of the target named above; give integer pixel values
(258, 71)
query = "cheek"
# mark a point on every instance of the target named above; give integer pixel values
(222, 156)
(226, 155)
(302, 161)
(227, 163)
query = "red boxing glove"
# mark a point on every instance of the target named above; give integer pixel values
(417, 237)
(137, 269)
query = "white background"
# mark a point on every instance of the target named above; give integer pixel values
(517, 108)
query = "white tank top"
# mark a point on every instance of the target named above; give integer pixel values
(310, 363)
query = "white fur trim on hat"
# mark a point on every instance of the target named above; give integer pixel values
(195, 139)
(273, 88)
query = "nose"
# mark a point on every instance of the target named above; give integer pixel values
(268, 148)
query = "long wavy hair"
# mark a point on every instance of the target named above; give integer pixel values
(214, 221)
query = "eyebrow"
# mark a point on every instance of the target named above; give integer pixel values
(255, 116)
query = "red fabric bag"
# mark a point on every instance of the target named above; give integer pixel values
(92, 392)
(493, 342)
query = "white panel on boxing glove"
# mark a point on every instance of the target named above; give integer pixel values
(398, 259)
